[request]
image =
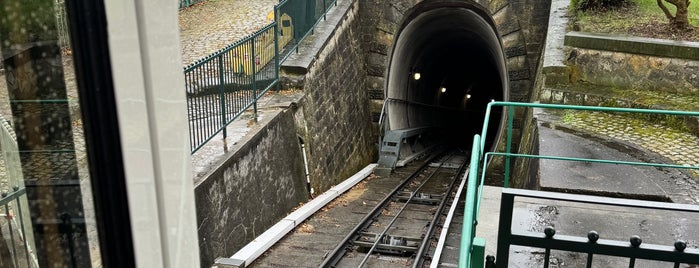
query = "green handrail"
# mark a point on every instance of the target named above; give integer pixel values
(469, 228)
(479, 159)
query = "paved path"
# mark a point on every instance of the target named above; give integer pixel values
(613, 137)
(212, 25)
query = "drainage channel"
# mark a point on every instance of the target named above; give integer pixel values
(403, 228)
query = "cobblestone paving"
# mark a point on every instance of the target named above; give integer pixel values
(681, 148)
(212, 25)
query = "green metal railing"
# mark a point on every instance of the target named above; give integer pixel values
(15, 234)
(472, 248)
(297, 19)
(225, 84)
(186, 3)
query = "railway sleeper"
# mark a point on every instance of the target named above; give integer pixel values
(388, 244)
(420, 198)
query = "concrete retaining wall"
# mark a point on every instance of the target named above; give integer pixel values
(333, 117)
(636, 63)
(264, 179)
(253, 189)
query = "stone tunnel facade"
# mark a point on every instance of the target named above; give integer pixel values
(520, 24)
(344, 90)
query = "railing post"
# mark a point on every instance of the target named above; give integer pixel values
(221, 97)
(510, 121)
(9, 225)
(325, 11)
(504, 228)
(276, 49)
(21, 224)
(478, 253)
(254, 77)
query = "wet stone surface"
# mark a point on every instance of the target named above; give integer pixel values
(209, 26)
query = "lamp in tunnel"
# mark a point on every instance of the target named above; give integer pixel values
(443, 89)
(416, 76)
(468, 96)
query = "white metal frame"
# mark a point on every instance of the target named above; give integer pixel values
(149, 87)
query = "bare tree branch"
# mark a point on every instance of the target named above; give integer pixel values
(665, 10)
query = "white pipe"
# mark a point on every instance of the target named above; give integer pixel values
(308, 175)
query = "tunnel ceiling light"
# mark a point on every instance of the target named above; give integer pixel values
(468, 96)
(417, 76)
(443, 89)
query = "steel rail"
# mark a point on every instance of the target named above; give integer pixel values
(407, 202)
(336, 255)
(420, 255)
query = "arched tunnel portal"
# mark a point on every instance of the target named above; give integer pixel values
(446, 64)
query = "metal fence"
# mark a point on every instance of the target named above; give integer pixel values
(15, 233)
(223, 85)
(297, 19)
(592, 246)
(186, 3)
(13, 230)
(62, 24)
(473, 248)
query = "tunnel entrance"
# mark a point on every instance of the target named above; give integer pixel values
(447, 63)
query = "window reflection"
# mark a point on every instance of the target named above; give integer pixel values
(45, 185)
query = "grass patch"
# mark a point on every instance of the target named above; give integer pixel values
(640, 18)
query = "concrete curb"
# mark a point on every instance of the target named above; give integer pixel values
(266, 240)
(634, 45)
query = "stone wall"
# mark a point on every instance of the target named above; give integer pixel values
(263, 180)
(521, 24)
(634, 71)
(333, 117)
(252, 190)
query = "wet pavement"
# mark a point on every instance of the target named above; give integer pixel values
(608, 137)
(211, 25)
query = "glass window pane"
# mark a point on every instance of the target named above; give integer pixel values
(44, 179)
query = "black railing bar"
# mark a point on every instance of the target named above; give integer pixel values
(11, 196)
(589, 260)
(51, 183)
(299, 40)
(230, 47)
(21, 225)
(547, 256)
(605, 247)
(77, 221)
(12, 238)
(610, 201)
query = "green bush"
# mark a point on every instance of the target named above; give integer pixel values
(597, 4)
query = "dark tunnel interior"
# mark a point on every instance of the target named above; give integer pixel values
(447, 64)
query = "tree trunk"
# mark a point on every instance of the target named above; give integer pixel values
(680, 20)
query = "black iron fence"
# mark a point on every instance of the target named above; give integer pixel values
(223, 85)
(186, 3)
(594, 244)
(297, 19)
(15, 250)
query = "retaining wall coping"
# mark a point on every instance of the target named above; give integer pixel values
(310, 47)
(634, 45)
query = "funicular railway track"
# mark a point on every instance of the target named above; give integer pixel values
(402, 229)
